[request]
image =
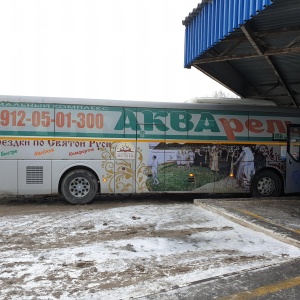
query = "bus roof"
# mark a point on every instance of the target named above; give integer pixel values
(232, 101)
(226, 104)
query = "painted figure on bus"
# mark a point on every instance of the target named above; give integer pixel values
(197, 158)
(214, 159)
(185, 159)
(190, 156)
(154, 169)
(245, 169)
(179, 158)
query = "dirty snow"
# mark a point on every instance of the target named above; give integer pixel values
(123, 252)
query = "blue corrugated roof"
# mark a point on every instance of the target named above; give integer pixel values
(213, 20)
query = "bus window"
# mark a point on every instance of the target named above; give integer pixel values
(294, 143)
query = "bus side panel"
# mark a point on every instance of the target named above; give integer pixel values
(8, 182)
(34, 177)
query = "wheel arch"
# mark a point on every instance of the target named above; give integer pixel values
(78, 167)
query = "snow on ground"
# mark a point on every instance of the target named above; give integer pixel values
(123, 252)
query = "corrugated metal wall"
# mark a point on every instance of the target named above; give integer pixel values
(214, 20)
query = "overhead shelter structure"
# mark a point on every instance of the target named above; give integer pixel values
(252, 47)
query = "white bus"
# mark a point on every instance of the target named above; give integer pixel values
(80, 148)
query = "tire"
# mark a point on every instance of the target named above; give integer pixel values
(79, 187)
(266, 184)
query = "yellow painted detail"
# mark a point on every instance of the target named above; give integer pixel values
(265, 290)
(265, 220)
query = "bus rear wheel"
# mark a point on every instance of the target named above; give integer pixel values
(266, 184)
(79, 187)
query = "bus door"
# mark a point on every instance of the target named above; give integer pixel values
(150, 158)
(292, 180)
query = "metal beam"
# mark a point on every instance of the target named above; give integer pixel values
(246, 56)
(259, 49)
(252, 39)
(282, 30)
(239, 81)
(272, 84)
(226, 51)
(292, 43)
(264, 33)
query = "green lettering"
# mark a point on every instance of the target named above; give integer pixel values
(207, 122)
(151, 120)
(180, 121)
(127, 120)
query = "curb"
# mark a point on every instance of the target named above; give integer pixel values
(239, 220)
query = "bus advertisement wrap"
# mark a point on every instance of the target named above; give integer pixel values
(142, 149)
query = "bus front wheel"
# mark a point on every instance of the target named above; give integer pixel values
(266, 184)
(79, 187)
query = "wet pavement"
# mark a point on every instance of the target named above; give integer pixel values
(276, 217)
(277, 282)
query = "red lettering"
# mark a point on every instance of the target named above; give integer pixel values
(271, 126)
(231, 126)
(254, 125)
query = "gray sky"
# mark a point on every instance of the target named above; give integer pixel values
(105, 49)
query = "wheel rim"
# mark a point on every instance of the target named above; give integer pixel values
(79, 187)
(266, 186)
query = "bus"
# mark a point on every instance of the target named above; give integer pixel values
(80, 148)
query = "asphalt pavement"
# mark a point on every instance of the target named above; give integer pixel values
(276, 217)
(276, 282)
